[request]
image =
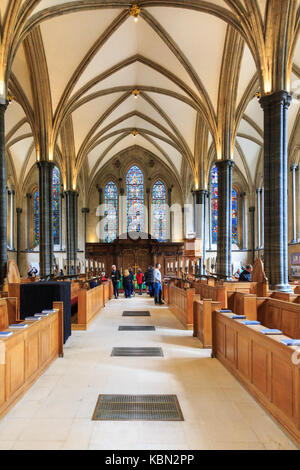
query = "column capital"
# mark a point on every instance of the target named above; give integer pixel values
(19, 210)
(122, 191)
(278, 97)
(29, 196)
(258, 190)
(251, 209)
(85, 210)
(45, 164)
(294, 167)
(71, 192)
(200, 195)
(226, 163)
(243, 195)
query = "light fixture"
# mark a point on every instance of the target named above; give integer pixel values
(135, 12)
(135, 93)
(134, 133)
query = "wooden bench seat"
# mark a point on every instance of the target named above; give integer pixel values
(284, 316)
(266, 367)
(243, 304)
(26, 354)
(181, 304)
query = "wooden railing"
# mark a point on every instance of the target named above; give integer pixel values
(263, 365)
(26, 354)
(90, 302)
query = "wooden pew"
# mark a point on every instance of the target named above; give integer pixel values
(181, 304)
(263, 365)
(90, 302)
(26, 354)
(284, 316)
(243, 304)
(215, 293)
(203, 320)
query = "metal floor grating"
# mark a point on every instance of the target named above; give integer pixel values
(141, 313)
(138, 352)
(136, 328)
(137, 407)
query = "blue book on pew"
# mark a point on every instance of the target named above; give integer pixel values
(48, 311)
(41, 315)
(291, 342)
(5, 334)
(251, 322)
(224, 310)
(18, 326)
(271, 332)
(35, 318)
(238, 317)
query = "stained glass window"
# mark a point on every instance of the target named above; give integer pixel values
(159, 214)
(36, 218)
(111, 212)
(214, 204)
(56, 204)
(135, 200)
(234, 217)
(214, 209)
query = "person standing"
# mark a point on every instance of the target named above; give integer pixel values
(132, 281)
(139, 280)
(127, 284)
(115, 278)
(157, 285)
(150, 281)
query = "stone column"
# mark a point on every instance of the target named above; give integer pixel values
(45, 219)
(3, 198)
(11, 193)
(252, 223)
(122, 210)
(200, 223)
(71, 230)
(259, 192)
(149, 213)
(170, 214)
(209, 219)
(293, 170)
(275, 108)
(244, 222)
(60, 222)
(85, 211)
(28, 197)
(19, 212)
(224, 218)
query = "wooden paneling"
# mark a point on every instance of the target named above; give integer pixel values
(25, 355)
(263, 365)
(90, 302)
(284, 316)
(181, 304)
(203, 320)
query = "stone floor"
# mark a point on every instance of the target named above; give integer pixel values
(219, 414)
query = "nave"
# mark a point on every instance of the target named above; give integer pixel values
(56, 412)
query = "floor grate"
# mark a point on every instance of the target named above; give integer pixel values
(136, 328)
(137, 407)
(138, 352)
(141, 313)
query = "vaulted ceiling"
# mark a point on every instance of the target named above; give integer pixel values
(79, 70)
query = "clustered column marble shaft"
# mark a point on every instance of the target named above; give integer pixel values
(293, 169)
(3, 199)
(28, 197)
(11, 194)
(100, 217)
(85, 211)
(244, 223)
(252, 223)
(275, 108)
(200, 220)
(19, 212)
(170, 214)
(45, 217)
(224, 218)
(259, 192)
(71, 226)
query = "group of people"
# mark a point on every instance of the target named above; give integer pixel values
(151, 278)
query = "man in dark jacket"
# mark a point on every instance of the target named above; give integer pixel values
(246, 274)
(150, 280)
(115, 278)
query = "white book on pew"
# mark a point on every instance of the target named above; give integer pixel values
(48, 311)
(35, 318)
(5, 334)
(18, 326)
(41, 315)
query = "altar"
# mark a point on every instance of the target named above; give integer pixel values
(139, 253)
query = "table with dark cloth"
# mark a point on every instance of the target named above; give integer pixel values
(38, 296)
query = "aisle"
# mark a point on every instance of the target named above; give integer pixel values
(56, 412)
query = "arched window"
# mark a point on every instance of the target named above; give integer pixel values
(55, 210)
(36, 218)
(135, 199)
(56, 204)
(159, 214)
(234, 217)
(214, 204)
(214, 209)
(111, 212)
